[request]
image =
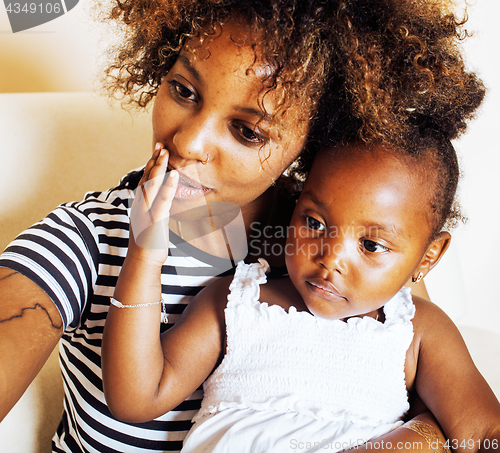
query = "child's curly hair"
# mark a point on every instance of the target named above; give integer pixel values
(437, 157)
(429, 151)
(356, 68)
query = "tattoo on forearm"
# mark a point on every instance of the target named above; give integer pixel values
(37, 305)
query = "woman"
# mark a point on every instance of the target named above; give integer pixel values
(240, 88)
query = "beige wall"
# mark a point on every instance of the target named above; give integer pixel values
(62, 55)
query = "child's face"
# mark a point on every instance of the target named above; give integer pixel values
(207, 108)
(358, 232)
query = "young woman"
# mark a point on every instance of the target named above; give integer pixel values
(239, 89)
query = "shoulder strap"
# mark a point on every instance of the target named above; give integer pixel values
(245, 287)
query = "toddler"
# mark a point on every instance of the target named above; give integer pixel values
(327, 357)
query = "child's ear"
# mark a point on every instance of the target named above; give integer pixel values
(432, 255)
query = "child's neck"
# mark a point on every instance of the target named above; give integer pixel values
(378, 315)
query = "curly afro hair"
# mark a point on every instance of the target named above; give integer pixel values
(399, 64)
(355, 69)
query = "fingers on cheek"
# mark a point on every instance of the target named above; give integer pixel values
(157, 173)
(162, 158)
(147, 169)
(156, 158)
(157, 150)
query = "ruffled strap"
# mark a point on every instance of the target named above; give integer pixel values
(400, 309)
(245, 286)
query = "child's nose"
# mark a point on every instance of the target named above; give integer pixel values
(333, 255)
(196, 140)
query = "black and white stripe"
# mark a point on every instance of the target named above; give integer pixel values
(75, 256)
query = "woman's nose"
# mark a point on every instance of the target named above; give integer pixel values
(196, 139)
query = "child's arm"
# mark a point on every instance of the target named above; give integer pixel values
(145, 376)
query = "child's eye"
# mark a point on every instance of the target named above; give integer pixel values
(314, 224)
(373, 247)
(249, 135)
(182, 91)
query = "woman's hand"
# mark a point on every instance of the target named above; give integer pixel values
(151, 208)
(409, 439)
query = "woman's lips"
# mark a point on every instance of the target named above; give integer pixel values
(186, 191)
(324, 289)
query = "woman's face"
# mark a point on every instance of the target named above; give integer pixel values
(207, 109)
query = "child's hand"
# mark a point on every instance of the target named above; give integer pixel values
(151, 208)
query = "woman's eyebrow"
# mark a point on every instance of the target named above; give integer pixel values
(254, 112)
(188, 65)
(186, 62)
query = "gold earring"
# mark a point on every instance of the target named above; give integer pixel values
(205, 162)
(417, 278)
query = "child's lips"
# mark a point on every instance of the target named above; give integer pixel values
(324, 289)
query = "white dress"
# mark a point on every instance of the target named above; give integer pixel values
(291, 381)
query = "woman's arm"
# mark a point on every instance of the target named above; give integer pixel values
(404, 439)
(451, 386)
(145, 376)
(30, 327)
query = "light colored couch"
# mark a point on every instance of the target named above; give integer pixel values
(53, 148)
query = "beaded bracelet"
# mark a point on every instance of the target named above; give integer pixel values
(118, 304)
(428, 432)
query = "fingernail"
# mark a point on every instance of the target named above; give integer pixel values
(174, 174)
(163, 151)
(157, 146)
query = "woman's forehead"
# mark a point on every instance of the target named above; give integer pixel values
(231, 41)
(231, 51)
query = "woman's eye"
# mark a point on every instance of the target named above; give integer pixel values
(373, 247)
(314, 224)
(249, 135)
(182, 91)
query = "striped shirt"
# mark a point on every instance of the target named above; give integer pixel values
(75, 255)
